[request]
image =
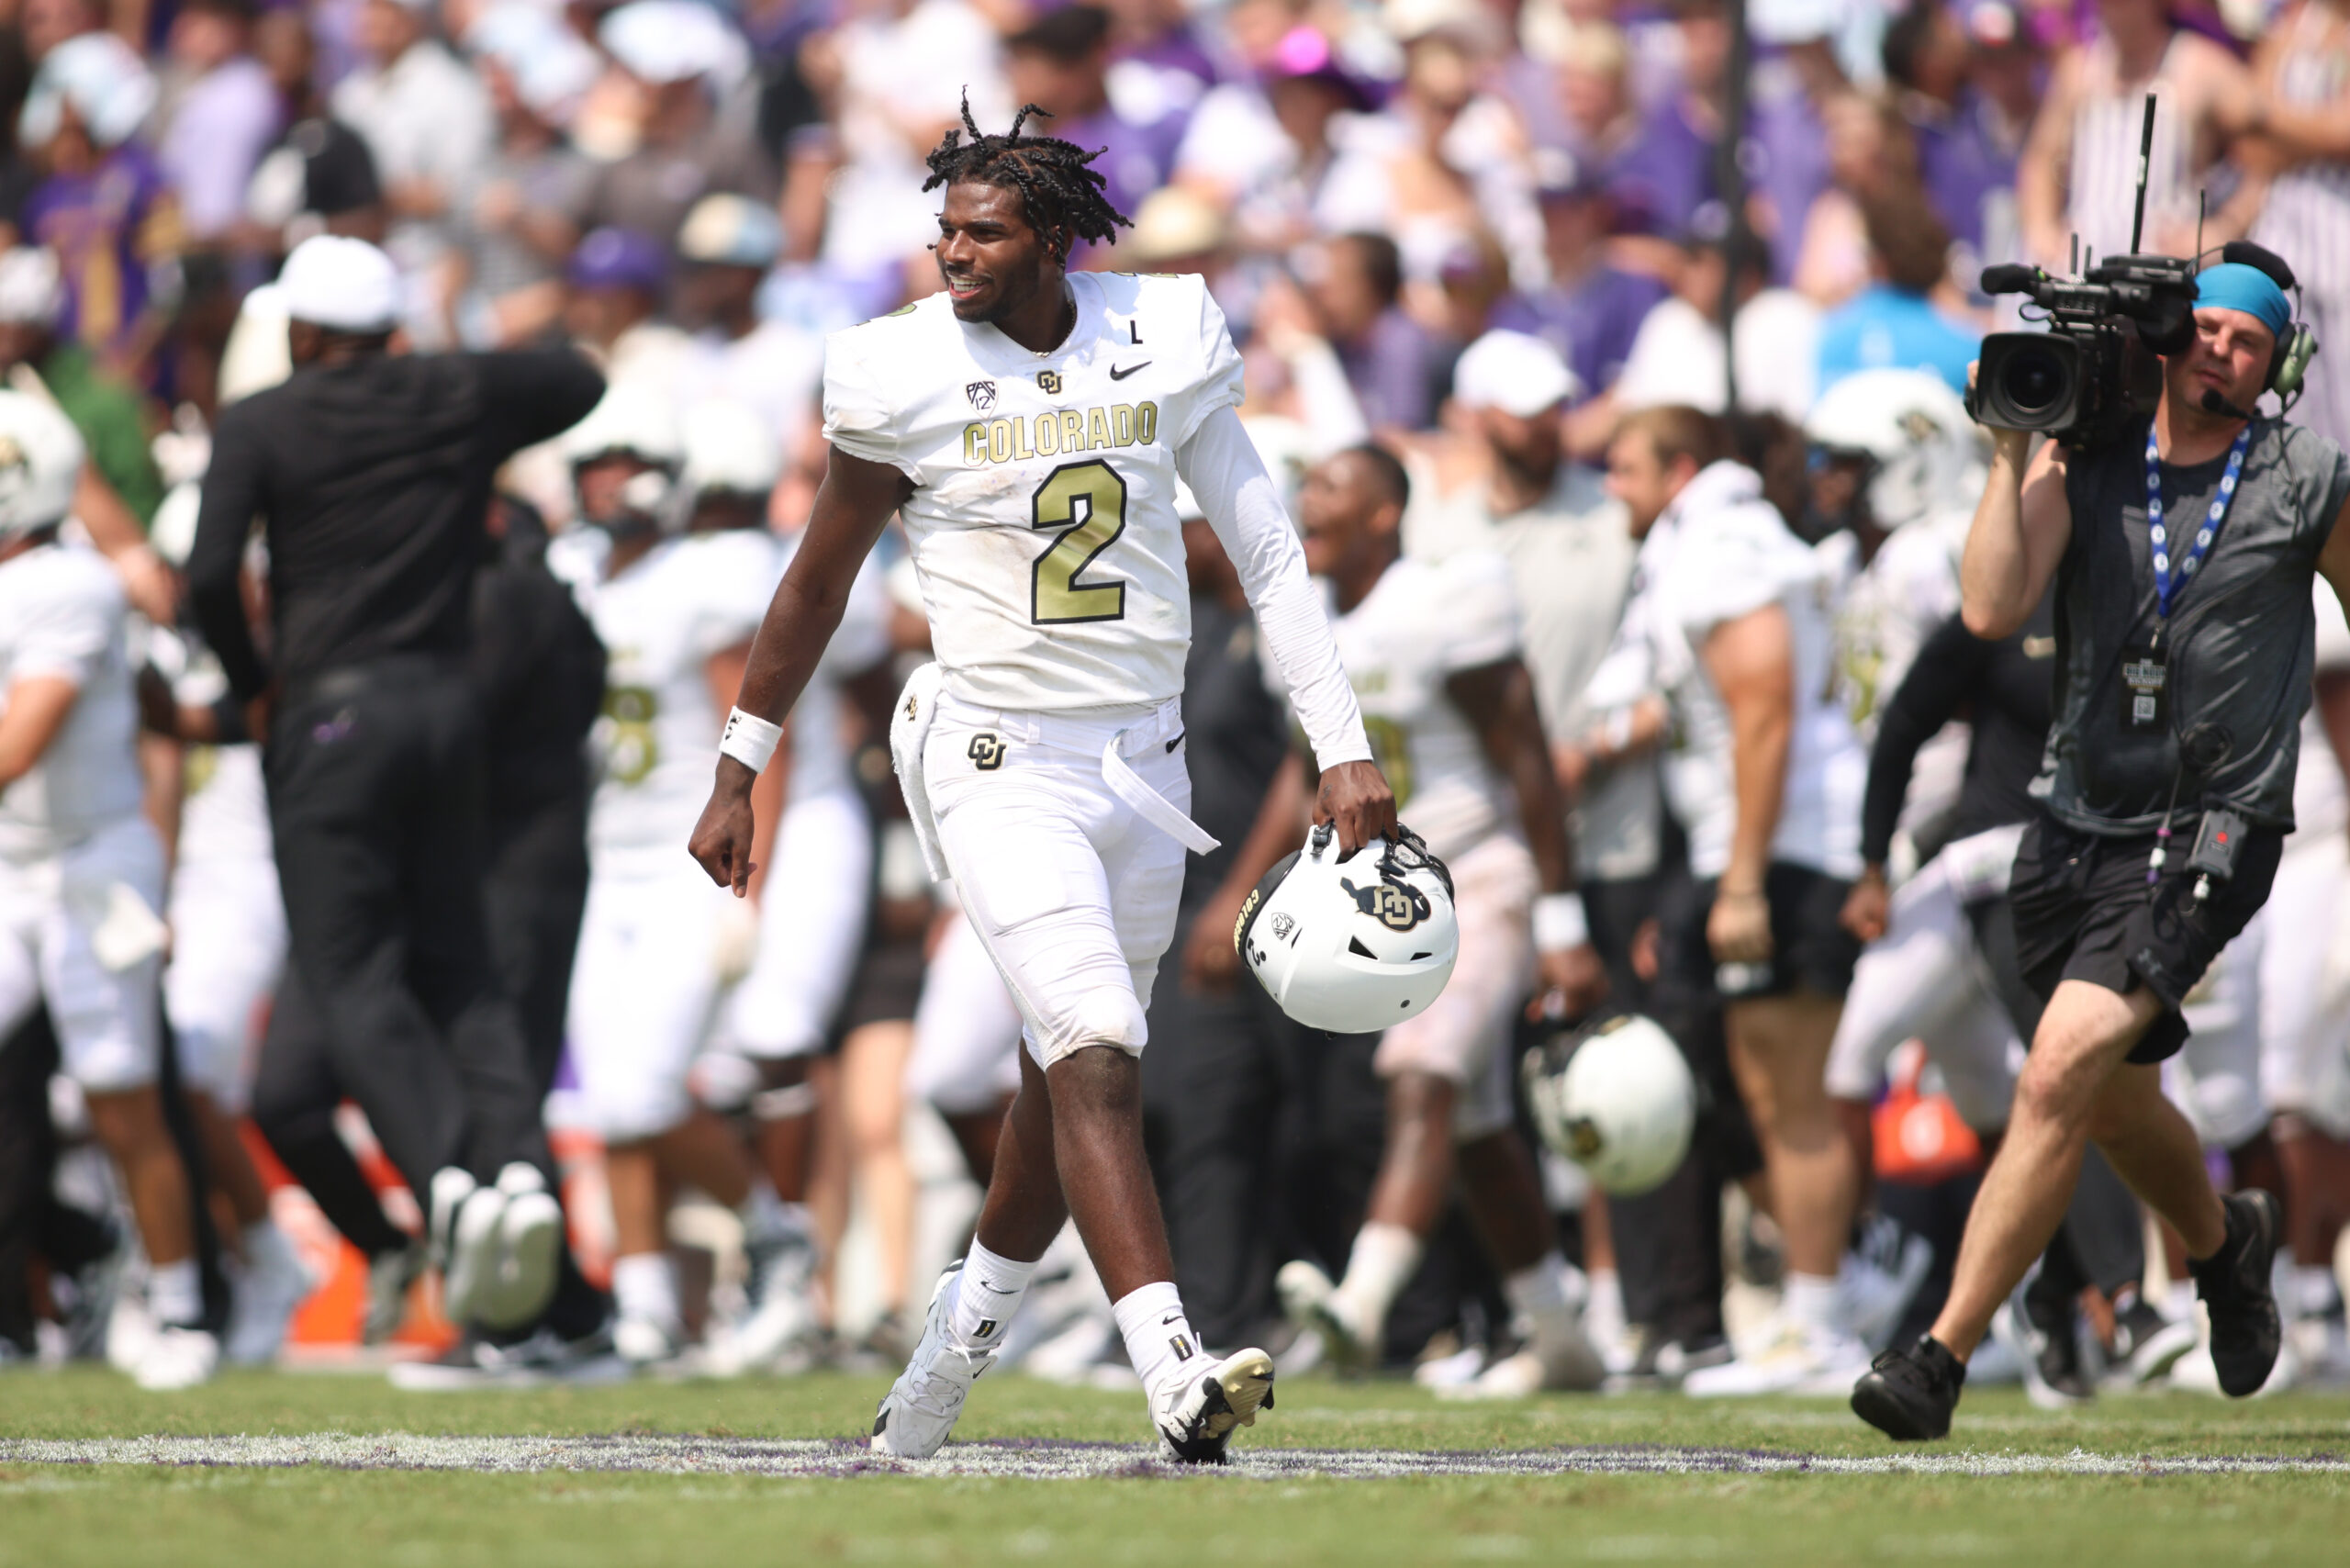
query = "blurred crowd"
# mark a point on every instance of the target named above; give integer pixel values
(695, 194)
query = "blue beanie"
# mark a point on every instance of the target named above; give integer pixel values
(2234, 285)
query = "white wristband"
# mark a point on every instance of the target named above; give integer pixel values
(1559, 923)
(749, 739)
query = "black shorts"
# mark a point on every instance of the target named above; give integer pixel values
(2082, 911)
(1810, 950)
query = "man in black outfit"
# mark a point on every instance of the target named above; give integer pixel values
(2183, 549)
(372, 474)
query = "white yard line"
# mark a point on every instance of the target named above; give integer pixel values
(1040, 1461)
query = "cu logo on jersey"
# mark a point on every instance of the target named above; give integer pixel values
(1583, 1141)
(981, 394)
(1049, 382)
(986, 751)
(1396, 905)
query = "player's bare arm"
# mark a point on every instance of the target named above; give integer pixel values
(853, 505)
(1498, 698)
(1751, 663)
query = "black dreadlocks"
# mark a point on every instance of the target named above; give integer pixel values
(1063, 195)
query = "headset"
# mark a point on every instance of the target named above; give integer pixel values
(2289, 364)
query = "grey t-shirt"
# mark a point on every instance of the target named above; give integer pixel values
(2237, 649)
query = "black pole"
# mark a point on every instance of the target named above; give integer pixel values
(1729, 183)
(2145, 162)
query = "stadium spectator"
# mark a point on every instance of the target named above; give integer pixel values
(219, 115)
(1896, 322)
(1061, 62)
(1676, 358)
(695, 119)
(772, 367)
(317, 175)
(1356, 282)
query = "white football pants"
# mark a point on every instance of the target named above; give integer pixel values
(965, 1058)
(811, 927)
(228, 921)
(80, 931)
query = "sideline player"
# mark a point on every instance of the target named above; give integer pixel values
(80, 871)
(676, 615)
(1432, 649)
(1030, 425)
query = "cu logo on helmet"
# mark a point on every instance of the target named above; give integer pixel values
(1396, 905)
(1584, 1142)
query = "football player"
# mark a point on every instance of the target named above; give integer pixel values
(1029, 423)
(675, 616)
(81, 869)
(1432, 649)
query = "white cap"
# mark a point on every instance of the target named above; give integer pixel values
(1515, 372)
(661, 41)
(108, 84)
(346, 284)
(30, 291)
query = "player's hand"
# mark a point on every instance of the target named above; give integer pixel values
(149, 584)
(722, 840)
(1573, 982)
(1738, 929)
(1573, 765)
(1354, 796)
(1867, 908)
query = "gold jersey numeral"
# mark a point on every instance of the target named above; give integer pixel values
(1087, 501)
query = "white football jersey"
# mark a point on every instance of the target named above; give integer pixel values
(1885, 611)
(1721, 552)
(61, 615)
(1423, 623)
(818, 754)
(661, 620)
(1043, 520)
(224, 800)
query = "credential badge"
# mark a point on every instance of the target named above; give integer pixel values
(981, 394)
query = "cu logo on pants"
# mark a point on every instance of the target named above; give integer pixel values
(987, 752)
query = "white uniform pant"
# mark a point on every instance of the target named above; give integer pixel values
(79, 931)
(1923, 980)
(2216, 1079)
(965, 1058)
(2305, 984)
(1464, 1035)
(812, 925)
(1071, 889)
(228, 921)
(642, 993)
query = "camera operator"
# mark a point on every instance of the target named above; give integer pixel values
(2184, 643)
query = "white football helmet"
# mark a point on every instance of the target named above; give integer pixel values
(1351, 944)
(634, 420)
(1616, 1098)
(729, 448)
(1924, 451)
(40, 462)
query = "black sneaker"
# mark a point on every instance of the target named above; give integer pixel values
(1909, 1394)
(2246, 1329)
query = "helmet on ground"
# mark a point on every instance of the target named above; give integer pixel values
(1616, 1098)
(1919, 442)
(632, 420)
(1351, 944)
(729, 448)
(40, 461)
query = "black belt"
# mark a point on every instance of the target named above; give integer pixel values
(339, 683)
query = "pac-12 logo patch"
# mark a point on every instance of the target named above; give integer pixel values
(1049, 381)
(981, 394)
(1398, 906)
(987, 751)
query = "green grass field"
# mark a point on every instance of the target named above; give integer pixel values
(192, 1515)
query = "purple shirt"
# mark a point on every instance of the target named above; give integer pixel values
(1136, 159)
(108, 227)
(1962, 163)
(1393, 371)
(1666, 172)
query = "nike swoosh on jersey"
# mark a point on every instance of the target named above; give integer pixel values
(1120, 372)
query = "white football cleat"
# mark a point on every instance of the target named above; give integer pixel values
(469, 1261)
(1197, 1415)
(1311, 1301)
(175, 1358)
(647, 1342)
(274, 1281)
(780, 1321)
(529, 1249)
(1794, 1360)
(919, 1411)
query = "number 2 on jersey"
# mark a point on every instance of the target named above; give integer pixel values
(1088, 502)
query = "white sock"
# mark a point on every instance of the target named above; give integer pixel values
(645, 1287)
(1604, 1311)
(1810, 1301)
(175, 1292)
(265, 1247)
(1546, 1293)
(1159, 1340)
(1383, 1263)
(2178, 1305)
(987, 1292)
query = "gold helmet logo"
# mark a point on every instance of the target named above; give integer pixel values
(1398, 906)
